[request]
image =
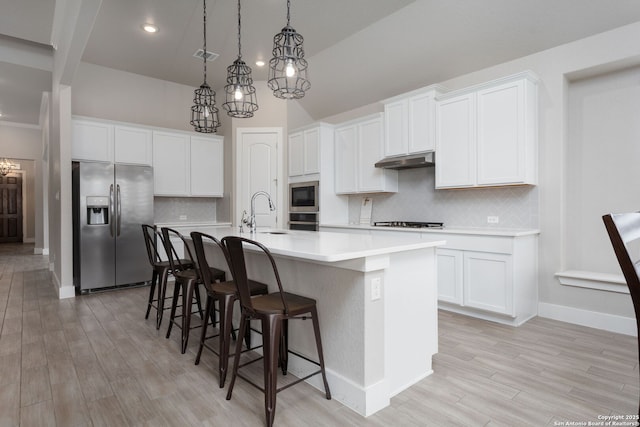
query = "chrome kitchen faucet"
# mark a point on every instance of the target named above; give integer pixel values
(251, 221)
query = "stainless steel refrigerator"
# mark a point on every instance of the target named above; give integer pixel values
(110, 202)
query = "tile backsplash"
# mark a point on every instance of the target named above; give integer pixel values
(195, 209)
(418, 200)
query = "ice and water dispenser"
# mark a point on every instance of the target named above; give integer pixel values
(97, 210)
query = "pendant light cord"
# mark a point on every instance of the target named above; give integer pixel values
(239, 25)
(288, 14)
(204, 54)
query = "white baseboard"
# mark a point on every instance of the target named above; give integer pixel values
(592, 319)
(45, 251)
(363, 400)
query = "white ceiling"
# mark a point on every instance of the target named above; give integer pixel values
(359, 51)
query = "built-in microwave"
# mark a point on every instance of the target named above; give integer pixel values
(303, 197)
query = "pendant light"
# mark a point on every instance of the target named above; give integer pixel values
(5, 167)
(241, 99)
(204, 114)
(287, 67)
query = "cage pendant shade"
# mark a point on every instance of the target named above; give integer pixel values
(288, 68)
(240, 94)
(204, 113)
(241, 101)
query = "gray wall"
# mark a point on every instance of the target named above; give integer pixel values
(417, 200)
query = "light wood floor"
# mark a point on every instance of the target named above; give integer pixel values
(94, 360)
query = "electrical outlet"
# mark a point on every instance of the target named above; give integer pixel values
(183, 217)
(493, 219)
(376, 288)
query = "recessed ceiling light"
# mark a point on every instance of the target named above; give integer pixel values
(150, 28)
(260, 63)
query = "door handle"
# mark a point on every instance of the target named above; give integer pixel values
(119, 208)
(111, 210)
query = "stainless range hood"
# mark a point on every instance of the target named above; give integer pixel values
(423, 160)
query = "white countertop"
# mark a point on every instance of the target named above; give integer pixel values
(183, 224)
(324, 246)
(508, 232)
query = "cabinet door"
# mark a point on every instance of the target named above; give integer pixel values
(421, 129)
(91, 141)
(370, 150)
(133, 145)
(207, 170)
(296, 154)
(346, 157)
(501, 134)
(311, 151)
(450, 275)
(456, 142)
(395, 128)
(488, 283)
(171, 164)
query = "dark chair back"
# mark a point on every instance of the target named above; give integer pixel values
(151, 236)
(176, 263)
(623, 230)
(235, 249)
(198, 239)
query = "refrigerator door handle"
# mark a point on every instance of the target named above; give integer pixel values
(119, 208)
(111, 210)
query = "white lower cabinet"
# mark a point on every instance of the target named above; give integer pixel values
(490, 277)
(488, 282)
(449, 275)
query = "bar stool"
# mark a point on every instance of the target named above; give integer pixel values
(226, 294)
(187, 280)
(161, 271)
(272, 310)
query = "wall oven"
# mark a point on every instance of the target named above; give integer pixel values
(304, 206)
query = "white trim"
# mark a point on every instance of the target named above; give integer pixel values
(45, 251)
(593, 280)
(592, 319)
(20, 125)
(66, 292)
(362, 400)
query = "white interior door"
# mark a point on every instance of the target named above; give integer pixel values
(258, 170)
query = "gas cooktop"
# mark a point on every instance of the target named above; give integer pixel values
(409, 224)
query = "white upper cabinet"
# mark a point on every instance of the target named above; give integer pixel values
(171, 162)
(187, 165)
(133, 145)
(507, 133)
(304, 152)
(207, 166)
(91, 140)
(409, 122)
(104, 141)
(358, 146)
(456, 148)
(487, 135)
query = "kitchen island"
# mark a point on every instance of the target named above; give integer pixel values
(377, 304)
